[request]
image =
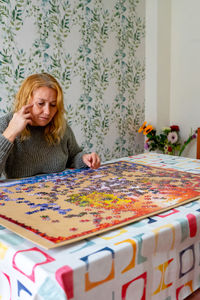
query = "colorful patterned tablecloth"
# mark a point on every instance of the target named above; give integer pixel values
(157, 258)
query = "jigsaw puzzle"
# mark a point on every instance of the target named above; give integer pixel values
(57, 209)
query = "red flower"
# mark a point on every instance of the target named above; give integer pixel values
(169, 149)
(174, 128)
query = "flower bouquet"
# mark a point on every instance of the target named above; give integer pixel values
(167, 141)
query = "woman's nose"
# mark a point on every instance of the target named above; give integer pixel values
(47, 109)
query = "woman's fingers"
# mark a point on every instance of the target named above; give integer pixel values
(92, 160)
(26, 109)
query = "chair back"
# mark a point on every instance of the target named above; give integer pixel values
(198, 143)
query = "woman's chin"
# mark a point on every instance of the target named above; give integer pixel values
(40, 123)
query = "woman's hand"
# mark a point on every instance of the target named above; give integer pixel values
(18, 122)
(92, 160)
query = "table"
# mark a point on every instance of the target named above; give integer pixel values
(155, 258)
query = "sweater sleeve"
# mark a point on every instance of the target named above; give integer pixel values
(5, 145)
(75, 152)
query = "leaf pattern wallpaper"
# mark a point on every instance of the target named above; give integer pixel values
(95, 48)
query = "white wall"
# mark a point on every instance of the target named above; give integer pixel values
(173, 65)
(185, 67)
(158, 42)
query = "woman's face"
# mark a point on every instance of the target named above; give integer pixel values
(44, 100)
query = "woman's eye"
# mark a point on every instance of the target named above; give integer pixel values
(40, 103)
(53, 105)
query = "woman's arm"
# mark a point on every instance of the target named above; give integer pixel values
(5, 145)
(11, 125)
(18, 123)
(5, 149)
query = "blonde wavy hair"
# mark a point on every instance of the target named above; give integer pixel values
(54, 131)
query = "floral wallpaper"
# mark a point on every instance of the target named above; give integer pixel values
(95, 48)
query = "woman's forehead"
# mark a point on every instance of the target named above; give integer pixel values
(45, 93)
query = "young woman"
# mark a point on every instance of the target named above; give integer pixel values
(35, 138)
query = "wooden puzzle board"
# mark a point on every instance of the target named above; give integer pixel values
(58, 209)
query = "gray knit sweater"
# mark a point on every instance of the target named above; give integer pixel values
(34, 155)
